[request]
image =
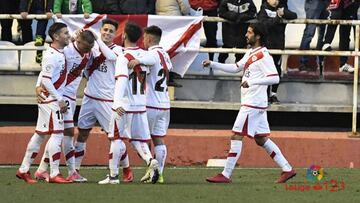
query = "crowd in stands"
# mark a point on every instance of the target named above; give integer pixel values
(237, 12)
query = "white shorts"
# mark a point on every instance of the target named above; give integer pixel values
(158, 121)
(251, 122)
(69, 114)
(50, 120)
(93, 110)
(133, 126)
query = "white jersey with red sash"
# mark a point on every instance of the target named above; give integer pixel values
(101, 73)
(156, 88)
(257, 63)
(136, 89)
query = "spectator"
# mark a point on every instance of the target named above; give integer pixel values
(271, 14)
(344, 10)
(237, 12)
(210, 8)
(314, 9)
(72, 7)
(35, 7)
(137, 6)
(106, 6)
(7, 7)
(172, 7)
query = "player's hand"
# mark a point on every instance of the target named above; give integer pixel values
(86, 15)
(24, 14)
(58, 15)
(63, 106)
(245, 84)
(40, 97)
(206, 63)
(120, 111)
(133, 63)
(48, 15)
(280, 12)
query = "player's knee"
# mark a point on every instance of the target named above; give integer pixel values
(158, 141)
(83, 135)
(237, 137)
(260, 140)
(69, 132)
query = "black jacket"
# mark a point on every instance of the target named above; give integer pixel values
(137, 6)
(106, 6)
(276, 30)
(237, 11)
(31, 5)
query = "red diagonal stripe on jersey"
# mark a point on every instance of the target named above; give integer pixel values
(164, 65)
(252, 58)
(184, 39)
(62, 77)
(76, 72)
(97, 62)
(137, 69)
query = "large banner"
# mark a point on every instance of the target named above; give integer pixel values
(181, 35)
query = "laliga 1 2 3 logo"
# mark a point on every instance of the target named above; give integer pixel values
(314, 173)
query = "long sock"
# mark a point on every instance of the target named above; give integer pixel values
(117, 148)
(273, 150)
(124, 160)
(54, 149)
(44, 163)
(160, 155)
(69, 152)
(80, 148)
(32, 150)
(233, 156)
(143, 150)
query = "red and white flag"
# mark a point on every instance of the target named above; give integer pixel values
(181, 34)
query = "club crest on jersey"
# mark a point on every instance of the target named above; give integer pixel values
(254, 58)
(48, 67)
(102, 68)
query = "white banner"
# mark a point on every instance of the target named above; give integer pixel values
(181, 34)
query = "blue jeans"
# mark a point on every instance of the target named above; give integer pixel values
(315, 9)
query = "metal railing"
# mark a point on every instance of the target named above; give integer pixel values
(287, 52)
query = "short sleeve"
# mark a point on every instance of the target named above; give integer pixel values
(48, 64)
(121, 67)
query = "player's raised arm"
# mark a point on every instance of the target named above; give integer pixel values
(230, 68)
(108, 53)
(121, 79)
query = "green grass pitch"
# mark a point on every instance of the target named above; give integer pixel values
(188, 185)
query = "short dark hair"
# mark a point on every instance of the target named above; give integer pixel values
(55, 28)
(87, 36)
(133, 31)
(154, 30)
(259, 29)
(111, 22)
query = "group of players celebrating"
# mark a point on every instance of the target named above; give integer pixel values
(126, 93)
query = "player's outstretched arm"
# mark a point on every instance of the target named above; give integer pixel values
(230, 68)
(108, 53)
(268, 80)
